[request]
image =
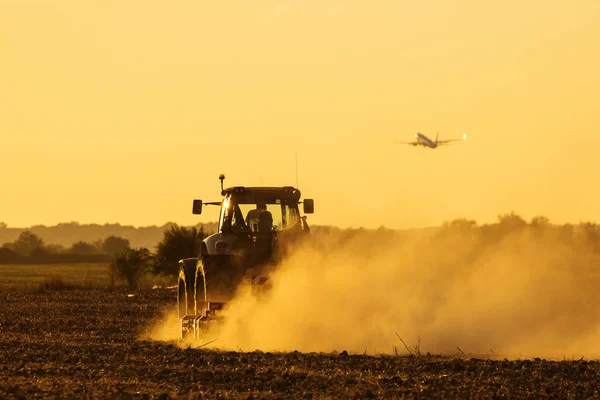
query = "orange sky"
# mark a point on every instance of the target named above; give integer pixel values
(114, 111)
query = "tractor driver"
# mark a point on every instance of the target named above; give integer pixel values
(252, 217)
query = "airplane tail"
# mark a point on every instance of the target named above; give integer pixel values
(436, 137)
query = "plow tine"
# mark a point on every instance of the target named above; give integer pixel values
(207, 343)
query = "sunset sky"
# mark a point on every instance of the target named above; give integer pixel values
(125, 111)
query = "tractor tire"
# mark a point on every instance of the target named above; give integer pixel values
(200, 298)
(185, 287)
(220, 275)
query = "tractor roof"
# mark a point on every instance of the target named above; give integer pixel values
(261, 188)
(271, 191)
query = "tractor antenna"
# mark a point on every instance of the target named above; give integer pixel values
(296, 170)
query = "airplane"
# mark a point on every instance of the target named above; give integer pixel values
(423, 140)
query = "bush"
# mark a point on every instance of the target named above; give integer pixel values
(8, 255)
(178, 242)
(114, 245)
(131, 264)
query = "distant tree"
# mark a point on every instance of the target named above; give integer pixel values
(566, 233)
(41, 254)
(540, 225)
(131, 264)
(7, 255)
(457, 229)
(83, 248)
(460, 224)
(178, 242)
(54, 248)
(540, 221)
(114, 245)
(26, 243)
(3, 225)
(511, 223)
(98, 245)
(589, 235)
(589, 229)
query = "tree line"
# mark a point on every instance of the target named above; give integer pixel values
(460, 235)
(463, 240)
(126, 262)
(460, 238)
(67, 233)
(29, 248)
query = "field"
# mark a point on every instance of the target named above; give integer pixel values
(84, 276)
(89, 343)
(33, 276)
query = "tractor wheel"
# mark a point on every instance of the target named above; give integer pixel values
(185, 287)
(221, 277)
(200, 298)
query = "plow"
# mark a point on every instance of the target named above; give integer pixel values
(196, 326)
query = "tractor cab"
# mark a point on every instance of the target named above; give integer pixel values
(251, 219)
(259, 210)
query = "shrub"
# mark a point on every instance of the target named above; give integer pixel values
(131, 264)
(178, 242)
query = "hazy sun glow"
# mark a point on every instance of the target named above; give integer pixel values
(126, 111)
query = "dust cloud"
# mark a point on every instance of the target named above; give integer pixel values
(166, 328)
(488, 291)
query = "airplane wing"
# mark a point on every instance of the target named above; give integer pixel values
(439, 142)
(412, 143)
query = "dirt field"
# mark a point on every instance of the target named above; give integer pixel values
(85, 343)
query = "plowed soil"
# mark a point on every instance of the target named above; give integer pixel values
(85, 344)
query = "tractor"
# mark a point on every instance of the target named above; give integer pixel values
(257, 227)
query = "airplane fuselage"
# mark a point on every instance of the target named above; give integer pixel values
(422, 140)
(425, 141)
